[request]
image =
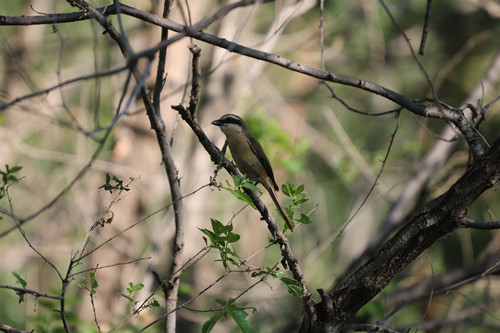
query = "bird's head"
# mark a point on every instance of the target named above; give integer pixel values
(231, 124)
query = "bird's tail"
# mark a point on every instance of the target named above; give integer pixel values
(278, 204)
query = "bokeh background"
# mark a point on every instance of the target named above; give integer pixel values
(309, 137)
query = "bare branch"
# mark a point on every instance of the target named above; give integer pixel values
(18, 225)
(367, 328)
(375, 181)
(425, 30)
(30, 291)
(195, 82)
(422, 110)
(10, 329)
(414, 55)
(468, 222)
(4, 106)
(427, 167)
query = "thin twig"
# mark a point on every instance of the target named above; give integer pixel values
(415, 58)
(4, 106)
(18, 226)
(31, 292)
(91, 294)
(425, 30)
(384, 161)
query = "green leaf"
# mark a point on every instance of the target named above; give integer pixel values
(242, 196)
(138, 287)
(153, 303)
(135, 287)
(222, 302)
(210, 323)
(233, 261)
(278, 274)
(13, 178)
(250, 186)
(239, 317)
(293, 286)
(15, 169)
(231, 237)
(287, 189)
(20, 279)
(83, 286)
(227, 228)
(127, 297)
(304, 219)
(210, 235)
(118, 186)
(236, 180)
(217, 226)
(93, 281)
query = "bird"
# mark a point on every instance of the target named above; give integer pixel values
(250, 157)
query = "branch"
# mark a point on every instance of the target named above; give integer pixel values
(442, 284)
(468, 222)
(432, 111)
(273, 227)
(4, 106)
(427, 168)
(88, 165)
(367, 328)
(438, 218)
(425, 29)
(160, 71)
(10, 329)
(35, 293)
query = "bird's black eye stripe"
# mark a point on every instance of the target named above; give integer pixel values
(232, 120)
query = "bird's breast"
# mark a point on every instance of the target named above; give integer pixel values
(245, 158)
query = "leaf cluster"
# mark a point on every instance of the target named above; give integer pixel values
(8, 177)
(91, 283)
(117, 186)
(237, 313)
(298, 198)
(220, 238)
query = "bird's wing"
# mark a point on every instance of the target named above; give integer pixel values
(255, 145)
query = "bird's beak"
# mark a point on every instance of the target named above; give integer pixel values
(216, 122)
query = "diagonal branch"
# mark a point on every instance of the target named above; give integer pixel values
(292, 262)
(428, 167)
(438, 218)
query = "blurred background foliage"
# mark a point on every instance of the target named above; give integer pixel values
(310, 138)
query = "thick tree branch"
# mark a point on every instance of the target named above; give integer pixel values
(428, 167)
(438, 218)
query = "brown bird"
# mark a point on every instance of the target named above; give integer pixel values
(250, 157)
